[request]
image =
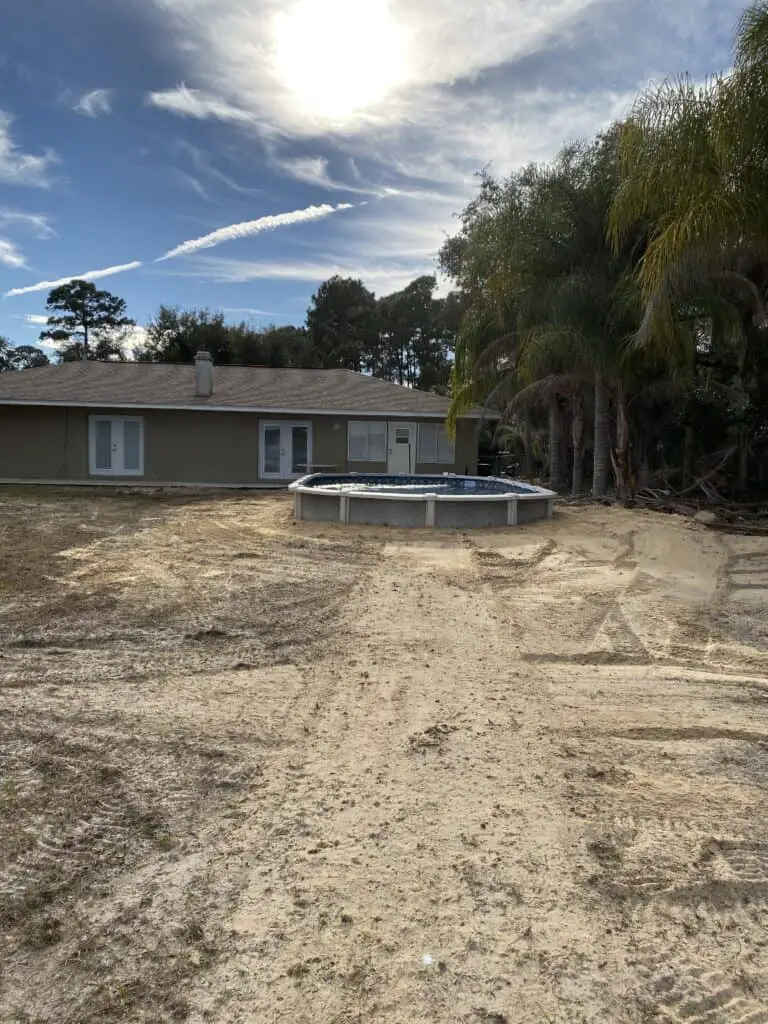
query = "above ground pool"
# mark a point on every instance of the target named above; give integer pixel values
(448, 501)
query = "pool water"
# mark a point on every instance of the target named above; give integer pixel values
(363, 483)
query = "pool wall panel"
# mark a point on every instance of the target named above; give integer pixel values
(531, 510)
(390, 512)
(457, 514)
(321, 508)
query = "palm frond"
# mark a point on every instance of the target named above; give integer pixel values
(500, 354)
(539, 391)
(752, 36)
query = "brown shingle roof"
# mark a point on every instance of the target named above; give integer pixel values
(235, 387)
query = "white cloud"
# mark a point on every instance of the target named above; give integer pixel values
(38, 224)
(17, 168)
(427, 101)
(191, 184)
(202, 164)
(11, 256)
(89, 275)
(132, 339)
(409, 227)
(432, 90)
(382, 277)
(312, 66)
(248, 310)
(314, 170)
(194, 103)
(35, 319)
(95, 103)
(451, 138)
(253, 227)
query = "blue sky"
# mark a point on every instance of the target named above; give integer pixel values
(133, 129)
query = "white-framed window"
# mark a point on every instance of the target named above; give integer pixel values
(116, 445)
(367, 441)
(435, 447)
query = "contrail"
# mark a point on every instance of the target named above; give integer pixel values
(89, 275)
(254, 227)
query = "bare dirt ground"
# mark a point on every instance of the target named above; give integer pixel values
(254, 771)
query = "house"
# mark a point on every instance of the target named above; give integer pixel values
(231, 426)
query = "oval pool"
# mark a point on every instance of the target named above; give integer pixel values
(447, 501)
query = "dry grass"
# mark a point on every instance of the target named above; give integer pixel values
(257, 771)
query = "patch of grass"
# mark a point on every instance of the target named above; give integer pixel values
(192, 931)
(298, 971)
(605, 852)
(360, 975)
(40, 931)
(432, 738)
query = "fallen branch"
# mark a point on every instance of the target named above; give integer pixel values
(703, 479)
(752, 529)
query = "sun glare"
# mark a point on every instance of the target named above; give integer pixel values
(339, 57)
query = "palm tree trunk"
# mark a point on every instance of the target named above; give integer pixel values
(741, 431)
(688, 454)
(602, 439)
(527, 445)
(577, 440)
(644, 470)
(555, 443)
(622, 445)
(743, 463)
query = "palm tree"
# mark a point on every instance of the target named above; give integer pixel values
(536, 261)
(693, 177)
(693, 162)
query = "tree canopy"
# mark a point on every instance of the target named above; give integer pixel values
(406, 337)
(615, 297)
(86, 323)
(20, 357)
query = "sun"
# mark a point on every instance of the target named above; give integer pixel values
(339, 57)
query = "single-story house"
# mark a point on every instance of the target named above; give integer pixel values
(231, 426)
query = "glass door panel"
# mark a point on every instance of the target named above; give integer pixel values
(103, 445)
(272, 442)
(131, 446)
(299, 450)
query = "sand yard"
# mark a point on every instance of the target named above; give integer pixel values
(259, 771)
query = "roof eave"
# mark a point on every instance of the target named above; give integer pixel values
(265, 410)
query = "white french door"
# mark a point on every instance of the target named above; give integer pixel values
(116, 446)
(285, 450)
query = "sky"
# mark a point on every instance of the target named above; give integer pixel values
(233, 154)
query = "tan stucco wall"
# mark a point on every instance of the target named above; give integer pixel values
(44, 443)
(33, 443)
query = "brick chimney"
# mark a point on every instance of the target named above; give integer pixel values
(203, 375)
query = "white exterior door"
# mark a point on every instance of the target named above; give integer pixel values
(286, 450)
(401, 448)
(116, 446)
